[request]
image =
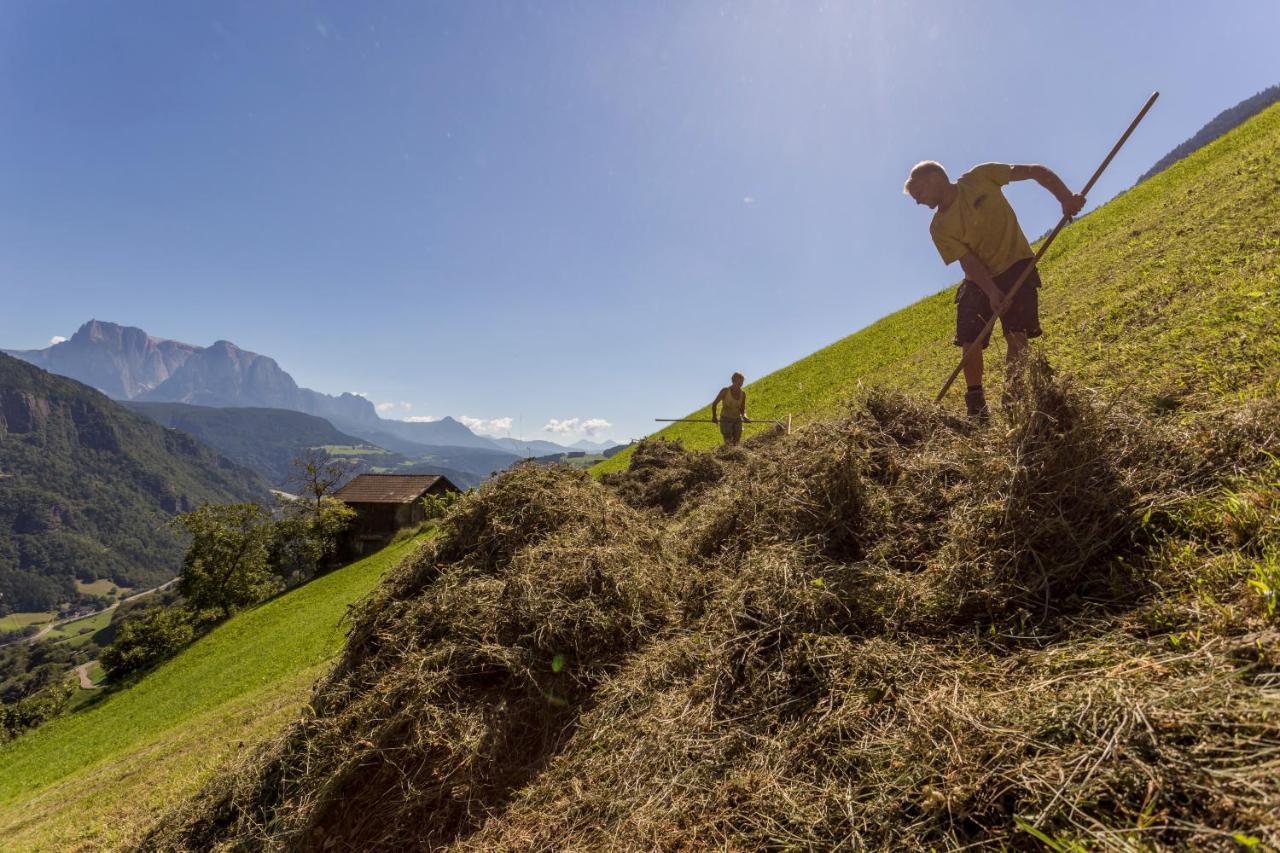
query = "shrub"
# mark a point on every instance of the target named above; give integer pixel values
(142, 643)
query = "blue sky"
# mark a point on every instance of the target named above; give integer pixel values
(550, 213)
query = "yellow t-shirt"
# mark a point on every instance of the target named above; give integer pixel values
(980, 220)
(731, 405)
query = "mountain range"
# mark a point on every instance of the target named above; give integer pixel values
(127, 363)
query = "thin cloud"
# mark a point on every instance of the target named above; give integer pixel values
(594, 426)
(56, 339)
(590, 427)
(560, 427)
(422, 419)
(486, 426)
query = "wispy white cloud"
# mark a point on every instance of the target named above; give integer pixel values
(364, 394)
(594, 426)
(486, 426)
(560, 427)
(385, 407)
(422, 419)
(56, 339)
(748, 200)
(589, 427)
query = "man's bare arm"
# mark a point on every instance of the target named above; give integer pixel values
(744, 406)
(1071, 202)
(976, 271)
(715, 403)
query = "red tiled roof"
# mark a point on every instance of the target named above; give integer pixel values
(387, 488)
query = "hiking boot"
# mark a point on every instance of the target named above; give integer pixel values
(975, 402)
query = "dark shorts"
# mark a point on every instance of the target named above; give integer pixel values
(973, 309)
(731, 430)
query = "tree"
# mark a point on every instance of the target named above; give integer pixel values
(316, 475)
(305, 537)
(35, 709)
(227, 566)
(142, 643)
(438, 506)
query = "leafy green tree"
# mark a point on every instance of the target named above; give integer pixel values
(228, 564)
(142, 643)
(438, 506)
(35, 709)
(306, 536)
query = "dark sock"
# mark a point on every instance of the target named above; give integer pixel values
(975, 402)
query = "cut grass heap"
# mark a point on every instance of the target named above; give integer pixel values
(885, 631)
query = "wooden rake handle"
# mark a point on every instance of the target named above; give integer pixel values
(1008, 299)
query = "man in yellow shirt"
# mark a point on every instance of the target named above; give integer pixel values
(732, 401)
(974, 224)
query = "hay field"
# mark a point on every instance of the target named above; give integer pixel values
(888, 631)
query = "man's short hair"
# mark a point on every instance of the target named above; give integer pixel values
(919, 170)
(737, 376)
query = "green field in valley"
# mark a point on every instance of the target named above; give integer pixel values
(80, 631)
(18, 621)
(1167, 294)
(102, 586)
(98, 777)
(352, 450)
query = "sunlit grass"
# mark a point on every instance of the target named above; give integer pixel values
(1168, 294)
(98, 776)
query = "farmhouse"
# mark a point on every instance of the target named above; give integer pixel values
(384, 503)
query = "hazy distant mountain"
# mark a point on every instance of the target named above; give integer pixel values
(530, 448)
(445, 431)
(225, 375)
(593, 446)
(265, 440)
(126, 363)
(1221, 123)
(268, 440)
(87, 489)
(120, 361)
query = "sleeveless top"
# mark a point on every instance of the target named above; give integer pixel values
(731, 406)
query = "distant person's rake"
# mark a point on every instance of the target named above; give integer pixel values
(976, 346)
(785, 423)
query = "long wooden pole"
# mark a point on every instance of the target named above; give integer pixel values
(1008, 299)
(785, 423)
(709, 421)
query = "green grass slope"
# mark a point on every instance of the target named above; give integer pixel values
(1168, 292)
(96, 778)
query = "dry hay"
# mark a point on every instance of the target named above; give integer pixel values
(664, 474)
(886, 631)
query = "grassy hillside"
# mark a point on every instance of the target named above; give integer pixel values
(98, 777)
(1168, 293)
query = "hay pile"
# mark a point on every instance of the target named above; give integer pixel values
(883, 632)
